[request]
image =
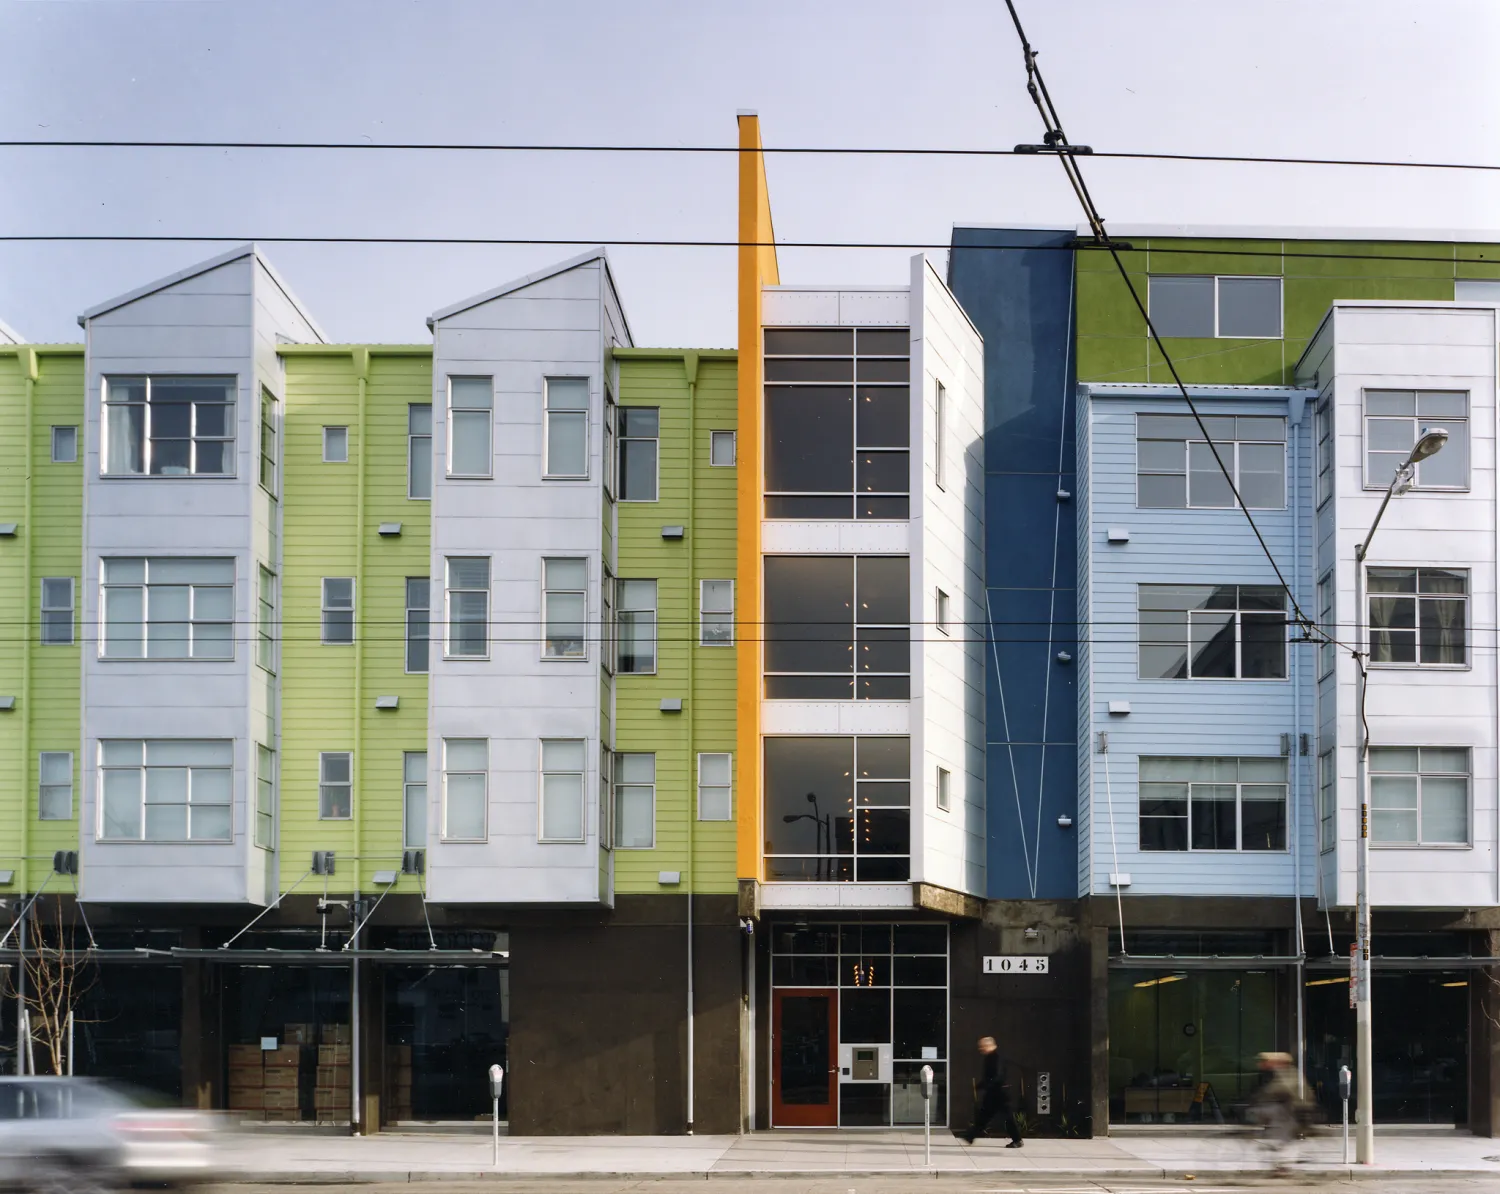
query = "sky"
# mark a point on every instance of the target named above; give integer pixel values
(1339, 78)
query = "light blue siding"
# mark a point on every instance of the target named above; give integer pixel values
(1084, 487)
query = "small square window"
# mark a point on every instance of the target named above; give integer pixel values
(335, 445)
(721, 449)
(944, 800)
(942, 611)
(65, 445)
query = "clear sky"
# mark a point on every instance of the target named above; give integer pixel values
(1337, 78)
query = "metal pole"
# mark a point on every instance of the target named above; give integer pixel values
(70, 1044)
(1364, 1103)
(927, 1115)
(1344, 1098)
(495, 1124)
(21, 997)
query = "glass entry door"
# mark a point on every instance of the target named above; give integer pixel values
(804, 1070)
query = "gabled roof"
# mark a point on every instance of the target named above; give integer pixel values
(9, 335)
(246, 250)
(599, 254)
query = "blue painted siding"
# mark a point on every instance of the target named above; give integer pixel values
(1018, 288)
(1186, 717)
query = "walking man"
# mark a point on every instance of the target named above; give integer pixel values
(994, 1095)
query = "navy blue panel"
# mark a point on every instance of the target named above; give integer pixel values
(1017, 287)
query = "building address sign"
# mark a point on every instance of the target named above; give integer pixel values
(1016, 964)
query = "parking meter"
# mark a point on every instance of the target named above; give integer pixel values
(1344, 1077)
(927, 1112)
(497, 1084)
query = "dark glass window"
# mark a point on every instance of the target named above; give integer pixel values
(1213, 804)
(1212, 632)
(1176, 468)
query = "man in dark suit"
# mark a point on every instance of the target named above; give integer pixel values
(994, 1095)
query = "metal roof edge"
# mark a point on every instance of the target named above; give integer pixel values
(597, 253)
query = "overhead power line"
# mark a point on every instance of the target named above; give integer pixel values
(790, 150)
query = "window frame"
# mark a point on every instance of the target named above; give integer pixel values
(413, 440)
(1328, 801)
(1327, 592)
(573, 412)
(1371, 772)
(940, 436)
(1326, 451)
(583, 655)
(1418, 422)
(944, 789)
(425, 611)
(266, 638)
(651, 616)
(451, 410)
(942, 611)
(1417, 598)
(324, 783)
(1239, 611)
(1230, 457)
(704, 626)
(333, 434)
(231, 418)
(145, 586)
(620, 788)
(267, 456)
(717, 437)
(141, 769)
(1239, 786)
(408, 787)
(72, 433)
(448, 623)
(443, 832)
(583, 792)
(1218, 279)
(43, 785)
(263, 814)
(727, 789)
(621, 439)
(325, 609)
(45, 630)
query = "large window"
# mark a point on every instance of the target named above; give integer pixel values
(561, 812)
(468, 607)
(635, 614)
(1204, 307)
(837, 628)
(715, 787)
(640, 427)
(166, 790)
(169, 426)
(465, 789)
(338, 611)
(1212, 632)
(1396, 419)
(54, 798)
(419, 450)
(1176, 469)
(265, 619)
(838, 809)
(635, 801)
(57, 611)
(838, 423)
(1213, 804)
(414, 800)
(335, 785)
(566, 435)
(716, 613)
(168, 608)
(565, 600)
(471, 410)
(1419, 796)
(1328, 801)
(1419, 616)
(268, 441)
(265, 797)
(418, 622)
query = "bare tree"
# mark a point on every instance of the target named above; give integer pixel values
(57, 978)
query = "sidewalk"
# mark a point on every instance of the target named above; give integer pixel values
(294, 1157)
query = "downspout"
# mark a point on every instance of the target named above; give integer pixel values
(26, 357)
(690, 367)
(1296, 752)
(362, 372)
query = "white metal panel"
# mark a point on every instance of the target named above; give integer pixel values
(836, 717)
(837, 538)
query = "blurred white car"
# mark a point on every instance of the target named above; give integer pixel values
(82, 1135)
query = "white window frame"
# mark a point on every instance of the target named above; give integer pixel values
(1448, 422)
(1372, 771)
(72, 434)
(1239, 785)
(727, 789)
(1228, 452)
(489, 411)
(649, 616)
(940, 437)
(425, 611)
(569, 412)
(623, 787)
(469, 773)
(143, 767)
(1239, 613)
(1328, 801)
(145, 586)
(1418, 598)
(583, 654)
(583, 802)
(231, 421)
(944, 789)
(1220, 278)
(268, 457)
(264, 812)
(409, 795)
(448, 591)
(324, 757)
(1325, 450)
(943, 611)
(718, 437)
(327, 609)
(415, 441)
(1327, 623)
(335, 438)
(47, 629)
(45, 786)
(703, 614)
(265, 618)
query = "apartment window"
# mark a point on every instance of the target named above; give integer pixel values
(338, 611)
(265, 797)
(562, 790)
(265, 624)
(54, 798)
(608, 637)
(635, 801)
(942, 611)
(168, 608)
(838, 423)
(65, 445)
(57, 611)
(335, 445)
(635, 616)
(837, 628)
(1176, 468)
(418, 622)
(838, 809)
(419, 450)
(1213, 804)
(335, 785)
(268, 441)
(716, 613)
(1419, 616)
(1325, 451)
(1204, 307)
(169, 426)
(940, 437)
(1212, 632)
(1396, 419)
(465, 789)
(944, 798)
(471, 409)
(414, 800)
(468, 607)
(1326, 623)
(640, 428)
(566, 435)
(1328, 801)
(564, 608)
(1419, 796)
(721, 449)
(166, 790)
(715, 787)
(607, 804)
(611, 421)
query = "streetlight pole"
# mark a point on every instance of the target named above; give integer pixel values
(1431, 440)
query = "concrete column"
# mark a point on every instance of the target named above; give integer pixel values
(371, 997)
(1099, 942)
(1484, 1042)
(201, 1038)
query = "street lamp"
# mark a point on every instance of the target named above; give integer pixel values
(1431, 440)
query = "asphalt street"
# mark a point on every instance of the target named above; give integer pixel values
(956, 1184)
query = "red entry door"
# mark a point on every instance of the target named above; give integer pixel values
(804, 1065)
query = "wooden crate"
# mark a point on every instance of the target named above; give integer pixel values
(281, 1100)
(333, 1054)
(281, 1078)
(286, 1055)
(244, 1055)
(246, 1076)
